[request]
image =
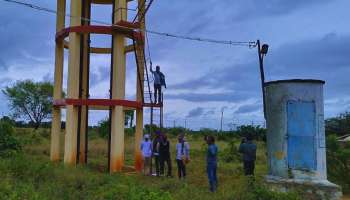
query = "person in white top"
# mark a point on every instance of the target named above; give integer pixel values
(146, 149)
(182, 156)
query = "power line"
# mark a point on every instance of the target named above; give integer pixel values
(249, 44)
(36, 7)
(227, 42)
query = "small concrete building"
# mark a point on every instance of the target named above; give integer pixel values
(296, 138)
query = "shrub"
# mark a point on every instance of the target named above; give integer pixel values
(339, 125)
(231, 154)
(338, 162)
(257, 132)
(8, 143)
(44, 132)
(129, 131)
(22, 177)
(103, 128)
(29, 136)
(254, 189)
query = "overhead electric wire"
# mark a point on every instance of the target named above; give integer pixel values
(228, 42)
(249, 44)
(148, 48)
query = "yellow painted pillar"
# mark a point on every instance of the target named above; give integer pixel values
(118, 92)
(84, 86)
(57, 93)
(139, 112)
(70, 149)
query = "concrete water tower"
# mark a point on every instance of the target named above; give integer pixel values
(127, 37)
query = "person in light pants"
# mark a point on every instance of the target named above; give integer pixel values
(146, 149)
(182, 156)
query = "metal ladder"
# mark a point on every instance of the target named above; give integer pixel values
(146, 91)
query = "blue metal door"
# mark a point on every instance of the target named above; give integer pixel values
(301, 130)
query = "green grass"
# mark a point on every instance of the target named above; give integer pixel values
(30, 175)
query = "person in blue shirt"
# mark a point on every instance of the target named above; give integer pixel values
(248, 150)
(212, 163)
(159, 81)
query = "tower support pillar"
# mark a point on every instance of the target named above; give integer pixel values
(139, 90)
(57, 93)
(118, 91)
(70, 150)
(84, 85)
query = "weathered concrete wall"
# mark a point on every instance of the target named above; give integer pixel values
(278, 94)
(308, 189)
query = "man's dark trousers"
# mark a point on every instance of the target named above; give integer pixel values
(211, 171)
(156, 160)
(165, 159)
(158, 92)
(181, 168)
(249, 167)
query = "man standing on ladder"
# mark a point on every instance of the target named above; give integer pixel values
(159, 81)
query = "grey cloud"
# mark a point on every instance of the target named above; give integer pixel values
(209, 112)
(248, 108)
(28, 33)
(195, 112)
(242, 80)
(230, 77)
(219, 97)
(4, 82)
(102, 74)
(325, 58)
(331, 51)
(250, 9)
(3, 65)
(196, 18)
(48, 77)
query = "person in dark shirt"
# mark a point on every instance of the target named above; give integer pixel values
(248, 150)
(164, 155)
(159, 81)
(155, 149)
(212, 163)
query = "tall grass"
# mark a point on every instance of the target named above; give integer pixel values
(31, 175)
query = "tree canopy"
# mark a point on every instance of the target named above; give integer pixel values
(30, 100)
(339, 125)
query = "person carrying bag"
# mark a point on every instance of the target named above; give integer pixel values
(182, 156)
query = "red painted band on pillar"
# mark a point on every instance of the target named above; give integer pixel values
(98, 102)
(127, 31)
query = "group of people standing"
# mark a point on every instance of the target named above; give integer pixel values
(159, 149)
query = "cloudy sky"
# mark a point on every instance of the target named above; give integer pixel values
(308, 39)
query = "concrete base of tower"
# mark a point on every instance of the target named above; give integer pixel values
(309, 189)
